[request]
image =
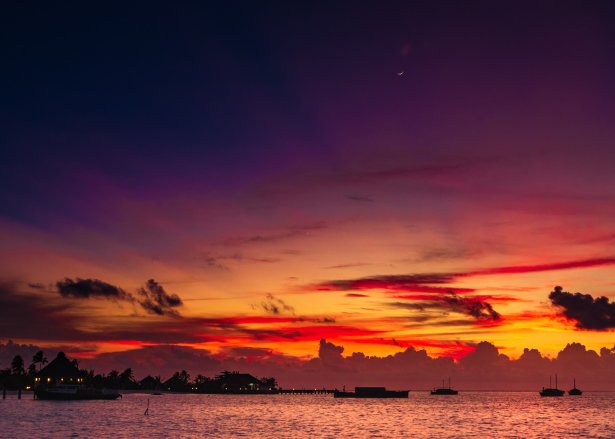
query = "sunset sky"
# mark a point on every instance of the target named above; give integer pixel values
(255, 177)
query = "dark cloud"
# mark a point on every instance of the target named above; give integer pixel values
(91, 288)
(276, 306)
(152, 297)
(587, 312)
(389, 282)
(475, 306)
(156, 300)
(472, 306)
(211, 261)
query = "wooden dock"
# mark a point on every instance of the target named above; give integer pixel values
(306, 391)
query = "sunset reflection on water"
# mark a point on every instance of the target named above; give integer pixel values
(471, 414)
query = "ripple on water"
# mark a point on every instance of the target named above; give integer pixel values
(472, 414)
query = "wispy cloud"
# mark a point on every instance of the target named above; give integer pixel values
(223, 261)
(155, 299)
(349, 265)
(276, 236)
(432, 282)
(152, 297)
(274, 305)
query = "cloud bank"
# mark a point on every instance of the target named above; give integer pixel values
(485, 368)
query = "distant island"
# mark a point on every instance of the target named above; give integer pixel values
(61, 370)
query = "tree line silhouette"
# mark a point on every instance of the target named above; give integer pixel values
(18, 377)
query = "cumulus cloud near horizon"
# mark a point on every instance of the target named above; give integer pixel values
(485, 368)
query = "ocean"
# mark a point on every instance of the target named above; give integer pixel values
(469, 414)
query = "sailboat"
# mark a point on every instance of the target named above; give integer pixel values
(445, 390)
(574, 391)
(552, 391)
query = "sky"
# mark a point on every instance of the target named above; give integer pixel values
(251, 181)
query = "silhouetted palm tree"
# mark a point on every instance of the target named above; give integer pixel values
(201, 379)
(112, 379)
(183, 377)
(17, 365)
(127, 375)
(17, 368)
(127, 379)
(40, 359)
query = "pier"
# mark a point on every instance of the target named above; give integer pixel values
(306, 391)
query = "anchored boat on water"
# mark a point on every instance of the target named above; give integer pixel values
(371, 392)
(552, 391)
(68, 392)
(574, 391)
(444, 390)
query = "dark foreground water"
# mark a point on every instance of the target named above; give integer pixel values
(469, 414)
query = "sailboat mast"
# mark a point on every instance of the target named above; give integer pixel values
(556, 381)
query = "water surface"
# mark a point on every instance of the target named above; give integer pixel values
(470, 414)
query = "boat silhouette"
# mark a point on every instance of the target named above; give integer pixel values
(574, 391)
(444, 390)
(552, 391)
(69, 392)
(371, 392)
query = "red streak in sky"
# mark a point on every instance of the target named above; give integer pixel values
(515, 269)
(430, 297)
